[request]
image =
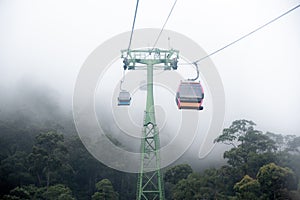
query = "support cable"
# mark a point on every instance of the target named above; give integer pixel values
(244, 36)
(163, 27)
(133, 23)
(130, 40)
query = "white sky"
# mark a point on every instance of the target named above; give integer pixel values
(49, 41)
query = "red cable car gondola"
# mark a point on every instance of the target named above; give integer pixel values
(190, 95)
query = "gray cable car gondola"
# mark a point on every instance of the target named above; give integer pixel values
(124, 98)
(190, 95)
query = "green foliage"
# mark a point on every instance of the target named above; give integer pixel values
(178, 172)
(211, 180)
(87, 170)
(34, 192)
(294, 145)
(273, 182)
(173, 175)
(209, 185)
(55, 192)
(18, 194)
(227, 177)
(58, 192)
(187, 188)
(281, 141)
(14, 169)
(48, 156)
(251, 150)
(247, 189)
(53, 167)
(32, 161)
(15, 136)
(237, 129)
(105, 191)
(275, 179)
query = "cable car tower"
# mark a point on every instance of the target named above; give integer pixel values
(150, 180)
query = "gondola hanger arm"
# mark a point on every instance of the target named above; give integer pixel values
(197, 69)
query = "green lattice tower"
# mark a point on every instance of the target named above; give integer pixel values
(150, 180)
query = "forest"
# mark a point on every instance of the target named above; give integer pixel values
(48, 161)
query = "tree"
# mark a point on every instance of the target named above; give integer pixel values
(18, 194)
(282, 142)
(188, 189)
(251, 148)
(14, 170)
(247, 189)
(173, 175)
(217, 182)
(35, 193)
(58, 192)
(178, 172)
(86, 169)
(294, 145)
(227, 177)
(242, 133)
(275, 180)
(105, 191)
(238, 128)
(48, 156)
(30, 192)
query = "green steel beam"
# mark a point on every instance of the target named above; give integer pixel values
(150, 180)
(137, 59)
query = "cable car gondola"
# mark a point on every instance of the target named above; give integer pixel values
(124, 98)
(190, 95)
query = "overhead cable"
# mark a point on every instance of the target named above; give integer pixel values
(246, 35)
(163, 27)
(133, 23)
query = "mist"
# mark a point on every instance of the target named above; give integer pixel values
(44, 44)
(49, 43)
(32, 104)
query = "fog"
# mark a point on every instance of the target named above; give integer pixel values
(43, 45)
(49, 41)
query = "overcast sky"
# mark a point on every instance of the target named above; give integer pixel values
(48, 41)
